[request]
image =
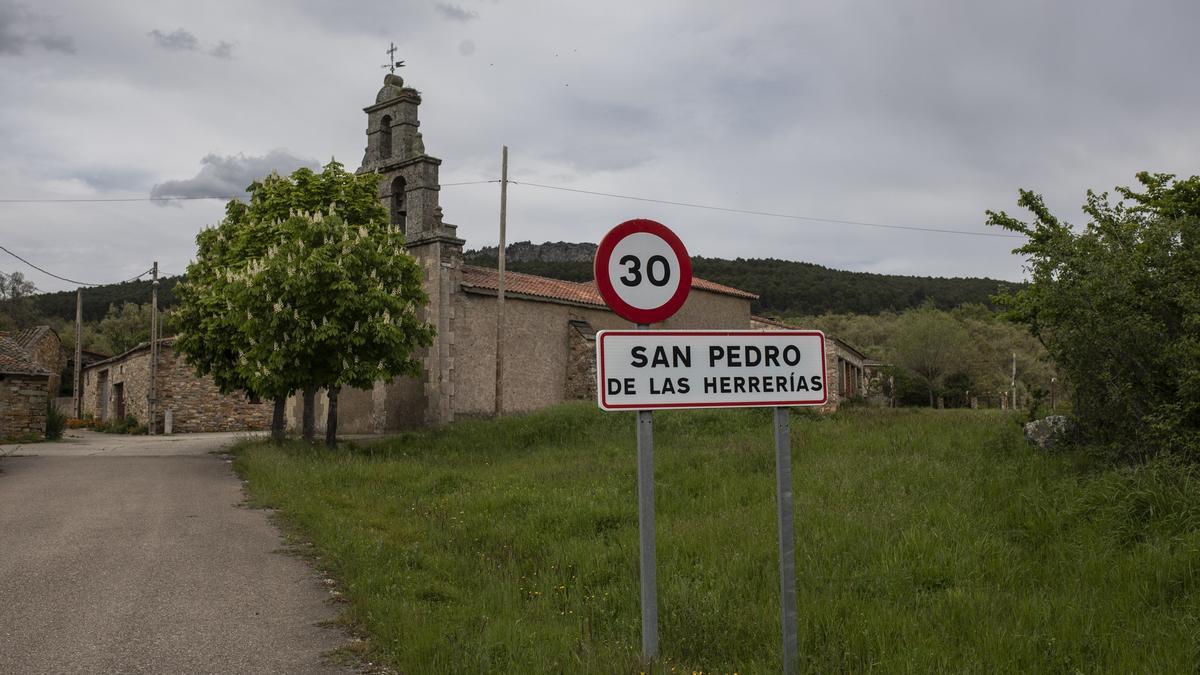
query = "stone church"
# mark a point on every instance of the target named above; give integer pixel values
(550, 325)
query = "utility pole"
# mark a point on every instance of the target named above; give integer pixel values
(500, 283)
(152, 390)
(1014, 382)
(77, 389)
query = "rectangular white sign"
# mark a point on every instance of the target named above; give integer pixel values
(645, 370)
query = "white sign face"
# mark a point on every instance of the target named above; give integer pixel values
(645, 370)
(644, 270)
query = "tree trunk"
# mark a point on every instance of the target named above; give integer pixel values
(309, 423)
(331, 419)
(931, 404)
(277, 420)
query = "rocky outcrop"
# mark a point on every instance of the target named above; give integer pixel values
(1050, 432)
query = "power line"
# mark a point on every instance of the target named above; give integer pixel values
(87, 200)
(773, 215)
(62, 278)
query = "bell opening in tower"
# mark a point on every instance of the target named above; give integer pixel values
(385, 137)
(399, 210)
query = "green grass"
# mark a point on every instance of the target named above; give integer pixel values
(927, 541)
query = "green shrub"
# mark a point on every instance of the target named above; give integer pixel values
(56, 422)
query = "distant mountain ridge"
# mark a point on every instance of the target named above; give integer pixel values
(784, 287)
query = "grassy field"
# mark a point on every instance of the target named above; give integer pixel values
(927, 541)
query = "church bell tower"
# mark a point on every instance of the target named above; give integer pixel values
(409, 190)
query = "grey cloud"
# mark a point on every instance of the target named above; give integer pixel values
(57, 43)
(113, 178)
(20, 28)
(454, 12)
(181, 40)
(223, 50)
(177, 40)
(229, 176)
(466, 48)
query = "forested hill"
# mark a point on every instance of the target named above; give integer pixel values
(784, 287)
(97, 299)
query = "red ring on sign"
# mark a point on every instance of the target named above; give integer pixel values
(604, 284)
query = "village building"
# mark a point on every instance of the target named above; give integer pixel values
(30, 374)
(119, 387)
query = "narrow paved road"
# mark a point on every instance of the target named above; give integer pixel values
(134, 556)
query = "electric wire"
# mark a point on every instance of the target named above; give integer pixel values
(85, 200)
(771, 214)
(70, 281)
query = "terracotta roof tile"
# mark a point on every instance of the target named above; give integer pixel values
(584, 293)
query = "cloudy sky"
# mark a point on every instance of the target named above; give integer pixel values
(910, 112)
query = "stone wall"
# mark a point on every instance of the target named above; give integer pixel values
(48, 353)
(22, 405)
(581, 362)
(195, 402)
(197, 405)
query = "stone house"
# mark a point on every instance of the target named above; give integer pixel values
(119, 386)
(30, 364)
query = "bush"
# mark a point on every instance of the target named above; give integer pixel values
(126, 425)
(1118, 308)
(56, 422)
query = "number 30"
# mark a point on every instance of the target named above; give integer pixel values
(634, 268)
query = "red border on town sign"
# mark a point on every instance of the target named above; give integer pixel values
(604, 284)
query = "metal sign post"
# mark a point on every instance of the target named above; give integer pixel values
(787, 539)
(648, 559)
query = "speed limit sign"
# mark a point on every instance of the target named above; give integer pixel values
(643, 271)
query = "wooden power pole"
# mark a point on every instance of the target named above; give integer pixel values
(152, 390)
(500, 284)
(77, 389)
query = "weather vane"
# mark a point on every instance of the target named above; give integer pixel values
(392, 64)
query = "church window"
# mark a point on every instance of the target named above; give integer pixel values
(385, 136)
(399, 208)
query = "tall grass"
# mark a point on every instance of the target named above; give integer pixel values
(927, 541)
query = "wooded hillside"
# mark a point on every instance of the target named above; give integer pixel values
(784, 287)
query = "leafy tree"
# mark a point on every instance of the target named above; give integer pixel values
(121, 329)
(929, 344)
(305, 287)
(1117, 306)
(18, 311)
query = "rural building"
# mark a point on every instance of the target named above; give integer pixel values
(30, 365)
(550, 325)
(119, 386)
(848, 369)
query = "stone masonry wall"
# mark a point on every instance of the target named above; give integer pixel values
(196, 403)
(22, 405)
(49, 354)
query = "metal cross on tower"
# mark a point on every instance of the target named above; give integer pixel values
(392, 64)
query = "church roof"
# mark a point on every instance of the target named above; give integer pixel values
(583, 293)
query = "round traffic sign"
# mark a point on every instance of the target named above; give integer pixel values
(643, 271)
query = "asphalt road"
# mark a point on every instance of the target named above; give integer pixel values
(122, 555)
